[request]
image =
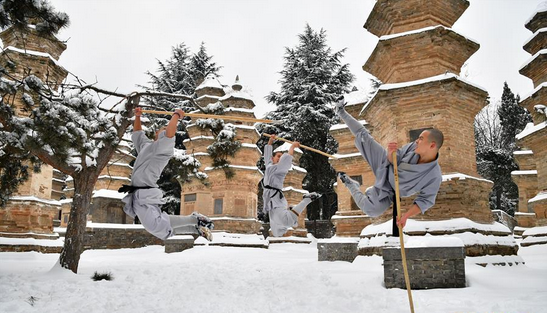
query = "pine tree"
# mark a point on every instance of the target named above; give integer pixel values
(312, 78)
(180, 74)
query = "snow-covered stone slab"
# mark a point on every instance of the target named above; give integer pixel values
(533, 240)
(290, 239)
(225, 239)
(179, 243)
(535, 231)
(337, 249)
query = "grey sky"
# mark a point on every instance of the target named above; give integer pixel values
(116, 42)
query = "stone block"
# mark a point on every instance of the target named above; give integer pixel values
(336, 250)
(431, 267)
(179, 243)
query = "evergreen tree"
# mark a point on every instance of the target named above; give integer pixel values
(180, 74)
(495, 131)
(313, 77)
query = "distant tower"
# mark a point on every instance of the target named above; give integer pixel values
(532, 177)
(418, 58)
(231, 203)
(30, 211)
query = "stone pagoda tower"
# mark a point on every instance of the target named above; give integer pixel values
(418, 58)
(231, 203)
(31, 210)
(532, 178)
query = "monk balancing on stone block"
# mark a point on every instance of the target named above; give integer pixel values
(277, 166)
(418, 169)
(145, 198)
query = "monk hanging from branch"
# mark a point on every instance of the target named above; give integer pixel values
(419, 170)
(145, 198)
(275, 204)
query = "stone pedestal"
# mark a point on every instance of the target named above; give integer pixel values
(179, 243)
(428, 268)
(337, 250)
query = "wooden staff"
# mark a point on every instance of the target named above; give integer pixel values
(221, 117)
(302, 146)
(403, 254)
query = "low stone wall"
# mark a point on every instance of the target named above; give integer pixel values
(179, 243)
(118, 238)
(433, 267)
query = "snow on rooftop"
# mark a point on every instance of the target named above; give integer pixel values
(298, 168)
(343, 126)
(461, 176)
(285, 147)
(422, 30)
(295, 189)
(199, 137)
(530, 129)
(440, 77)
(107, 193)
(539, 197)
(35, 53)
(528, 172)
(243, 110)
(237, 94)
(540, 86)
(542, 7)
(540, 52)
(356, 97)
(541, 30)
(32, 242)
(210, 81)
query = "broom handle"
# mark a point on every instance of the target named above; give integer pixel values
(223, 117)
(302, 146)
(403, 254)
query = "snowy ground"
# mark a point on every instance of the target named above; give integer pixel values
(283, 278)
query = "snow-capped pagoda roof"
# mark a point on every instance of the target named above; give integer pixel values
(236, 94)
(211, 81)
(542, 7)
(356, 97)
(422, 30)
(530, 129)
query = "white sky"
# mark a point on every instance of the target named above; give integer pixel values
(116, 42)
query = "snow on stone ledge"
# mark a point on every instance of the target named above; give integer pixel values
(541, 30)
(234, 239)
(429, 241)
(421, 30)
(528, 172)
(461, 176)
(349, 155)
(440, 77)
(539, 197)
(31, 242)
(534, 231)
(106, 193)
(342, 126)
(337, 239)
(294, 189)
(456, 224)
(91, 224)
(520, 152)
(530, 129)
(33, 198)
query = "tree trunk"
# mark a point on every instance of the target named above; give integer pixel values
(84, 184)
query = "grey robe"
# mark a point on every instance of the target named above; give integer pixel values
(280, 217)
(423, 179)
(152, 157)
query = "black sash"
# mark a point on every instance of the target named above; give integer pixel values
(277, 191)
(132, 189)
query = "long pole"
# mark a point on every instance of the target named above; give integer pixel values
(222, 117)
(403, 254)
(302, 146)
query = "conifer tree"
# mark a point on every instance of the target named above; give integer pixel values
(313, 77)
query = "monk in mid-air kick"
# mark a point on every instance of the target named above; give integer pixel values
(144, 198)
(277, 166)
(418, 169)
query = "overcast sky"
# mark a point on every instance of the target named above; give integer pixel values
(114, 42)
